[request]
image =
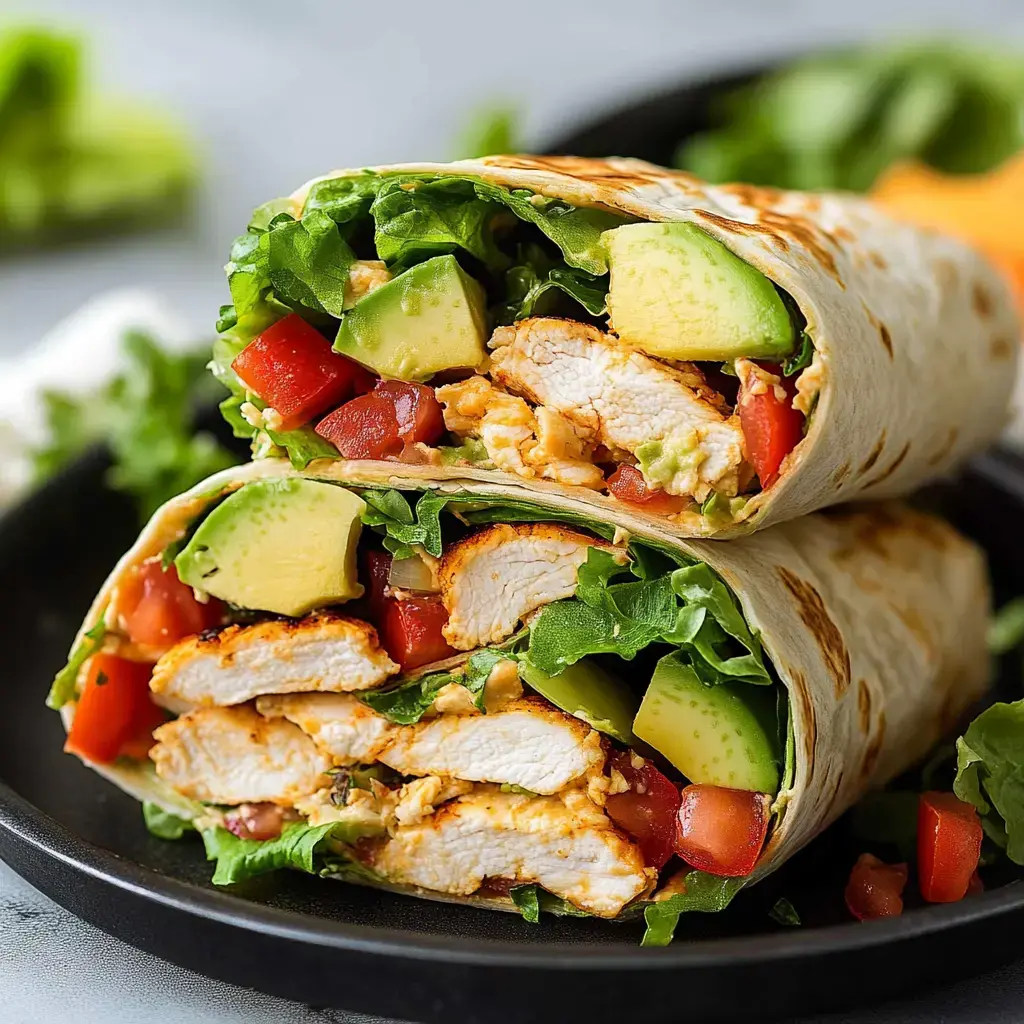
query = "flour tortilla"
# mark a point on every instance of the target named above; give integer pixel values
(874, 619)
(916, 334)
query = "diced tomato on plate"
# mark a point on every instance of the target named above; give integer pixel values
(875, 889)
(949, 837)
(627, 484)
(647, 810)
(159, 610)
(115, 715)
(722, 830)
(292, 368)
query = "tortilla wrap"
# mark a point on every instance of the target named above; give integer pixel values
(874, 620)
(915, 333)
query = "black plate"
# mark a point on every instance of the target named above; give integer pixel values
(82, 842)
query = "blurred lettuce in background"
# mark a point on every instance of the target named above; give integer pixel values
(489, 129)
(71, 161)
(838, 120)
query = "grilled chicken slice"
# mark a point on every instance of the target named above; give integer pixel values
(490, 834)
(529, 442)
(622, 399)
(320, 652)
(235, 756)
(528, 743)
(493, 578)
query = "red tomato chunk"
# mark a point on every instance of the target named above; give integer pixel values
(381, 424)
(875, 889)
(410, 630)
(722, 830)
(292, 368)
(948, 847)
(771, 428)
(160, 610)
(115, 715)
(627, 484)
(647, 811)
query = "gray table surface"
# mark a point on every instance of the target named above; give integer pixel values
(278, 92)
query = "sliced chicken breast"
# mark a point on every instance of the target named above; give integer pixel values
(529, 442)
(320, 652)
(623, 399)
(343, 728)
(528, 743)
(493, 578)
(235, 756)
(490, 834)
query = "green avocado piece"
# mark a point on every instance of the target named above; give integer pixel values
(428, 319)
(285, 546)
(588, 693)
(723, 735)
(678, 293)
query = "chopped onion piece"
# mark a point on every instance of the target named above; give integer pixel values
(412, 574)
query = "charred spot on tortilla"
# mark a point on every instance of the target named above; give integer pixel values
(814, 615)
(1001, 347)
(863, 705)
(883, 333)
(981, 301)
(802, 692)
(890, 469)
(876, 257)
(874, 749)
(760, 197)
(869, 462)
(840, 475)
(946, 447)
(945, 273)
(580, 168)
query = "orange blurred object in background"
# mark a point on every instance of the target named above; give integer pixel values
(985, 210)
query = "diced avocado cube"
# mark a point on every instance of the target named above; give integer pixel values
(723, 735)
(285, 546)
(428, 319)
(678, 293)
(588, 693)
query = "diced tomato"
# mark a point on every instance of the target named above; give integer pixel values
(292, 368)
(647, 811)
(365, 428)
(115, 715)
(419, 413)
(376, 569)
(160, 610)
(875, 889)
(627, 484)
(410, 631)
(771, 428)
(722, 830)
(948, 846)
(381, 424)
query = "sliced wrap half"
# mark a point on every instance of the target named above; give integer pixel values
(544, 687)
(727, 357)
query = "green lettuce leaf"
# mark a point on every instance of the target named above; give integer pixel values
(704, 893)
(489, 130)
(800, 359)
(420, 219)
(409, 702)
(783, 912)
(1007, 629)
(990, 774)
(145, 414)
(163, 824)
(240, 859)
(389, 513)
(472, 450)
(532, 899)
(62, 690)
(303, 445)
(536, 279)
